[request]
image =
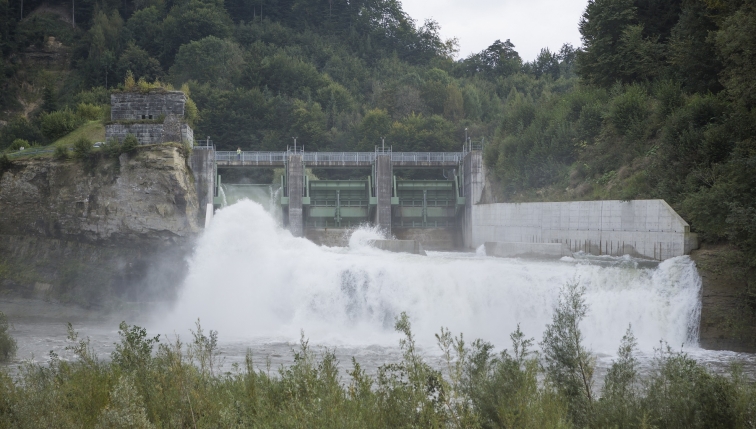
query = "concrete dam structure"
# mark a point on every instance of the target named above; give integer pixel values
(446, 214)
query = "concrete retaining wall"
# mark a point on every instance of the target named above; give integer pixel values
(643, 228)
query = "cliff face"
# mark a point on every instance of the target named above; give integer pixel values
(147, 199)
(79, 230)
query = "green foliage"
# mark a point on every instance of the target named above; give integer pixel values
(82, 149)
(569, 365)
(130, 144)
(140, 63)
(18, 144)
(5, 164)
(135, 349)
(89, 112)
(176, 384)
(55, 125)
(8, 344)
(19, 128)
(222, 62)
(61, 152)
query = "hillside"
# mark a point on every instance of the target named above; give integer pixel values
(657, 103)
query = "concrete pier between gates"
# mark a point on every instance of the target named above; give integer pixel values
(383, 190)
(295, 183)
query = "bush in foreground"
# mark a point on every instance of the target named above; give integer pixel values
(150, 383)
(8, 344)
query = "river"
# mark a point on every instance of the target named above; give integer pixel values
(263, 289)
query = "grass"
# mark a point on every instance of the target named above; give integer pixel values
(94, 131)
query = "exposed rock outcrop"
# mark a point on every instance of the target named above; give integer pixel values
(104, 225)
(728, 299)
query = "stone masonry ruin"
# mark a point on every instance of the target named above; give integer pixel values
(154, 117)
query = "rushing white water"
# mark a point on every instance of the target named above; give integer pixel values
(251, 280)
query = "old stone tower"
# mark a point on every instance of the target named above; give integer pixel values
(153, 117)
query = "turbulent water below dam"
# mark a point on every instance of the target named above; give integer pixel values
(262, 289)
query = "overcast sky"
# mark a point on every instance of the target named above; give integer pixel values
(529, 24)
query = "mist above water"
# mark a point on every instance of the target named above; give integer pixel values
(252, 281)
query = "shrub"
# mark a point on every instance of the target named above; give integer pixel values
(18, 144)
(96, 96)
(8, 344)
(130, 144)
(59, 123)
(61, 152)
(90, 112)
(82, 148)
(112, 148)
(5, 164)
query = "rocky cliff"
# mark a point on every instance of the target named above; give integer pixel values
(88, 230)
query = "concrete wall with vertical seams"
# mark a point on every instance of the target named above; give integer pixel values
(644, 228)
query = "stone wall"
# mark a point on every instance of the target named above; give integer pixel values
(132, 106)
(149, 133)
(643, 228)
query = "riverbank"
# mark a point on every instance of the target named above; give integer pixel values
(728, 299)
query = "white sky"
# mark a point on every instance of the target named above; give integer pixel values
(529, 24)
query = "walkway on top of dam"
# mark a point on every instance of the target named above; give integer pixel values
(338, 159)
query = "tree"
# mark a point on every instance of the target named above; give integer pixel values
(146, 29)
(602, 27)
(569, 365)
(210, 60)
(140, 63)
(454, 105)
(191, 21)
(737, 48)
(499, 59)
(374, 126)
(692, 53)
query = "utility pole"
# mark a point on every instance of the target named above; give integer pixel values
(22, 9)
(73, 13)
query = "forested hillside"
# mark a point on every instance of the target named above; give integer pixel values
(657, 103)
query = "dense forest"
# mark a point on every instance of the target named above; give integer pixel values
(657, 103)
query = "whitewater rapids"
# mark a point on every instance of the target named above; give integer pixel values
(250, 279)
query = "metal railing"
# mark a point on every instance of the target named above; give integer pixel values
(338, 157)
(426, 157)
(32, 151)
(254, 157)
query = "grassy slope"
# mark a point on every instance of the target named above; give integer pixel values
(94, 131)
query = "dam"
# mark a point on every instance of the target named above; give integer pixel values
(442, 214)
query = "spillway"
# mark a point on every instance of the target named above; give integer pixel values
(252, 280)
